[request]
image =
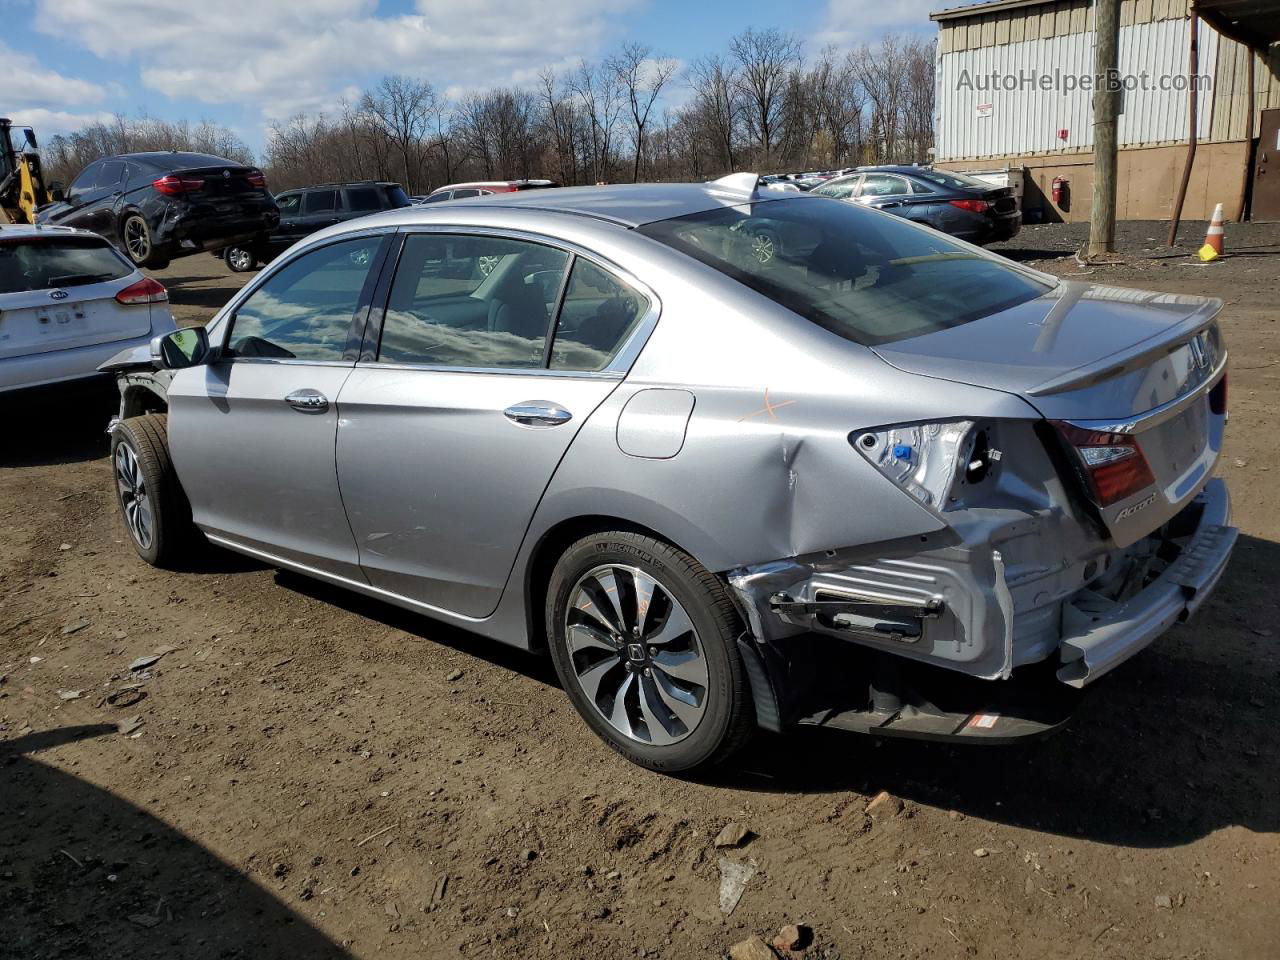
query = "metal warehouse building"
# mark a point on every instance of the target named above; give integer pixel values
(1031, 115)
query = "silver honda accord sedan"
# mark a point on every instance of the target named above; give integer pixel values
(864, 476)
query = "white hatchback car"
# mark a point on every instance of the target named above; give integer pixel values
(69, 301)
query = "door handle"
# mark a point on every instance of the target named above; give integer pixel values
(537, 413)
(308, 401)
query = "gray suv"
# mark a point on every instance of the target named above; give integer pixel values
(884, 481)
(308, 209)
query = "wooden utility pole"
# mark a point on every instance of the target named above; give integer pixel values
(1193, 96)
(1106, 112)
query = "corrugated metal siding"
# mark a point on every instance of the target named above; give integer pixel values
(1026, 121)
(1043, 21)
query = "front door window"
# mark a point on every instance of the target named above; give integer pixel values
(304, 310)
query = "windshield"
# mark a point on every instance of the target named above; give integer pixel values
(951, 180)
(42, 263)
(867, 276)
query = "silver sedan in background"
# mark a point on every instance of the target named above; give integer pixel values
(882, 481)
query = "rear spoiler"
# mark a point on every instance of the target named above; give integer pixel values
(1135, 357)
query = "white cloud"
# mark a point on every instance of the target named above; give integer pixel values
(28, 85)
(46, 123)
(285, 56)
(851, 23)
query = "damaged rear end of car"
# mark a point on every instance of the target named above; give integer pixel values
(1069, 536)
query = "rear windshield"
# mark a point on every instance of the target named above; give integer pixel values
(179, 161)
(42, 263)
(952, 180)
(867, 276)
(396, 196)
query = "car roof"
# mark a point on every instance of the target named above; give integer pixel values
(343, 184)
(8, 232)
(891, 168)
(627, 204)
(182, 156)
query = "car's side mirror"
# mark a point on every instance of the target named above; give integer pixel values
(180, 349)
(56, 193)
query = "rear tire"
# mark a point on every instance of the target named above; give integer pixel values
(154, 508)
(139, 245)
(659, 676)
(239, 259)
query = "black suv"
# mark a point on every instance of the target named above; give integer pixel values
(309, 209)
(166, 204)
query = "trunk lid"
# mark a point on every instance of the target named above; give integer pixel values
(1001, 199)
(224, 181)
(1112, 361)
(32, 322)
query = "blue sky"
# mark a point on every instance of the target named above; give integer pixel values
(248, 63)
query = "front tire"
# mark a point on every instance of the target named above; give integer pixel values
(154, 509)
(644, 640)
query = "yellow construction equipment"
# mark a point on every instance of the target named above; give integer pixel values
(22, 187)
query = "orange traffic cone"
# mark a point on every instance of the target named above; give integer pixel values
(1212, 248)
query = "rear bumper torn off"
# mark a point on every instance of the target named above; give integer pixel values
(1093, 644)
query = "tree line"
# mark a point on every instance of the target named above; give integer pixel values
(633, 115)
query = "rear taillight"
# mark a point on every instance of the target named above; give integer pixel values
(1218, 397)
(924, 459)
(256, 179)
(1113, 463)
(145, 290)
(973, 206)
(172, 185)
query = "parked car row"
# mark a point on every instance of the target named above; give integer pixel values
(953, 203)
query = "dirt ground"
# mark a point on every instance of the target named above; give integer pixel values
(318, 775)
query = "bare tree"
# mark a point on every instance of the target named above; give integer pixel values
(715, 86)
(597, 90)
(765, 58)
(65, 156)
(403, 107)
(641, 76)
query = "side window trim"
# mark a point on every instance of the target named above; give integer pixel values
(618, 366)
(359, 318)
(555, 311)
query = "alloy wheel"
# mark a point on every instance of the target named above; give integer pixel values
(136, 240)
(134, 497)
(241, 259)
(636, 655)
(763, 247)
(486, 265)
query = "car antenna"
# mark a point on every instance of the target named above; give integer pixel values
(739, 183)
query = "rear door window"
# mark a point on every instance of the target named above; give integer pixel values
(363, 199)
(62, 262)
(109, 175)
(459, 194)
(471, 301)
(320, 201)
(598, 314)
(883, 185)
(305, 310)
